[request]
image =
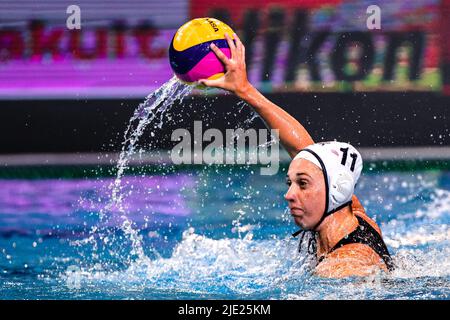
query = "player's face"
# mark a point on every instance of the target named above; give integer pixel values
(306, 193)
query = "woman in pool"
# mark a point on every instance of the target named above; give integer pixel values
(321, 180)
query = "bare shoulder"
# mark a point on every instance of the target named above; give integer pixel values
(351, 260)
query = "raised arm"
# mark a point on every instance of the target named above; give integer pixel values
(293, 136)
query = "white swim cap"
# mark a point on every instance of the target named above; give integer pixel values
(341, 164)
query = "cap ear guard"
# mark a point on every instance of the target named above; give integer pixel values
(341, 187)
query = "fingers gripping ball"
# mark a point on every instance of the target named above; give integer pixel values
(191, 57)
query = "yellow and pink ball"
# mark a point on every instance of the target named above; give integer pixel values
(190, 55)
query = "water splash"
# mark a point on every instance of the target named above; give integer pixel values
(151, 111)
(157, 102)
(202, 265)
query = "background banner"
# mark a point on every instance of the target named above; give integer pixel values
(319, 46)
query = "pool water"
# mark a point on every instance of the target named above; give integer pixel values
(208, 232)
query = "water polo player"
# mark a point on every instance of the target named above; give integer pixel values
(321, 180)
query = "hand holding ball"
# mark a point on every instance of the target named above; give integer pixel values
(191, 57)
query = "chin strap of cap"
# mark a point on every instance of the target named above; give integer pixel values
(312, 244)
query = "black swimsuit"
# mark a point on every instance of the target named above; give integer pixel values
(365, 234)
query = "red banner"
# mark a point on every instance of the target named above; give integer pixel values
(201, 8)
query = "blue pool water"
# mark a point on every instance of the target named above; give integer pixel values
(208, 232)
